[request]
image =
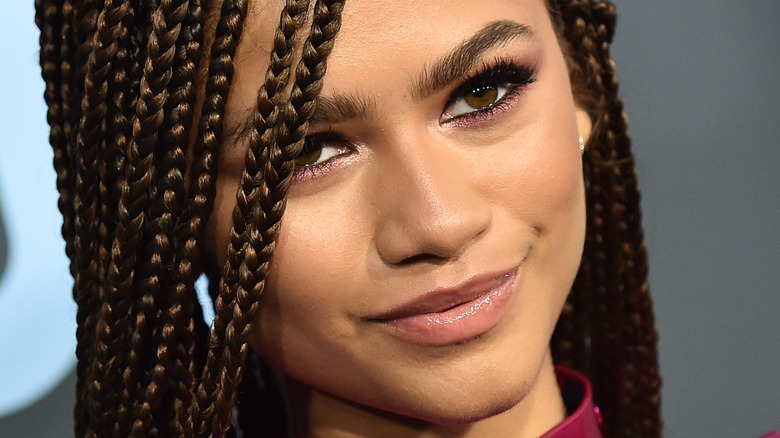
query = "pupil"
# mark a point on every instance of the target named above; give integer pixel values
(481, 91)
(310, 154)
(482, 96)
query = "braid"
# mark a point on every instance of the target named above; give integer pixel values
(85, 136)
(178, 323)
(642, 370)
(643, 382)
(143, 408)
(250, 397)
(50, 21)
(120, 86)
(92, 136)
(279, 155)
(238, 300)
(613, 277)
(168, 307)
(87, 304)
(228, 34)
(54, 23)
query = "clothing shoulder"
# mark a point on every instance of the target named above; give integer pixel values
(584, 418)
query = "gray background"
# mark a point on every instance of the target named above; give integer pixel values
(701, 81)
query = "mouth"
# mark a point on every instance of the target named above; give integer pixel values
(452, 315)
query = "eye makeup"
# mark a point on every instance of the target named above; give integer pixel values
(504, 75)
(321, 153)
(497, 85)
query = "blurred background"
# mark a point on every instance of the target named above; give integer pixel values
(701, 82)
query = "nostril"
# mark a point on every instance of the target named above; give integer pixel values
(415, 236)
(429, 258)
(425, 205)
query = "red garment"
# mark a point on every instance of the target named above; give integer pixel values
(584, 417)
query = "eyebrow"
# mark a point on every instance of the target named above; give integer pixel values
(341, 107)
(459, 60)
(445, 70)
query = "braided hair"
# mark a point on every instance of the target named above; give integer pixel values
(607, 326)
(136, 180)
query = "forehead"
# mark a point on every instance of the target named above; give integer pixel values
(405, 27)
(380, 28)
(426, 22)
(383, 44)
(404, 37)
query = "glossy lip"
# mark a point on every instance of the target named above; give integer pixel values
(452, 315)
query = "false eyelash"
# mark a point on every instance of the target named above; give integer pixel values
(498, 71)
(314, 170)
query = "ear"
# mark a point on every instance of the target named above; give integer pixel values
(584, 124)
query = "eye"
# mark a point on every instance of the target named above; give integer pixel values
(490, 90)
(321, 153)
(478, 98)
(319, 149)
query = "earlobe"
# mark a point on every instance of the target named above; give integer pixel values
(584, 124)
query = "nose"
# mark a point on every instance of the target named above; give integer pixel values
(427, 204)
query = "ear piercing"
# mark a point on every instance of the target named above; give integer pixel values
(582, 145)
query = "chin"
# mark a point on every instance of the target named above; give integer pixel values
(464, 409)
(475, 414)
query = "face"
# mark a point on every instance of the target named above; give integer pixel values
(436, 220)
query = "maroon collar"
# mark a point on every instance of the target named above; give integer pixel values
(584, 417)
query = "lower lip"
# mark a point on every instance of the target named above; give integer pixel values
(458, 324)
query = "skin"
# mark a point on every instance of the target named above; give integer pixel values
(414, 204)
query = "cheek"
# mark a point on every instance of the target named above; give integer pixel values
(315, 267)
(536, 171)
(536, 175)
(551, 199)
(539, 184)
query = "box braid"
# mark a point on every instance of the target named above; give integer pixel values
(199, 202)
(169, 71)
(607, 328)
(56, 42)
(261, 197)
(120, 85)
(93, 141)
(79, 24)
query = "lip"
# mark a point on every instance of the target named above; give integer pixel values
(453, 315)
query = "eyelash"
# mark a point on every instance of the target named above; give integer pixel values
(499, 72)
(320, 140)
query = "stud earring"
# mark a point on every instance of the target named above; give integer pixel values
(582, 145)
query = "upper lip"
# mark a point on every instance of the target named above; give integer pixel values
(442, 299)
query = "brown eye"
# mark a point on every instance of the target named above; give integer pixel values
(488, 92)
(476, 99)
(319, 149)
(481, 97)
(307, 159)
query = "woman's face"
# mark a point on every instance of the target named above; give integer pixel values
(436, 222)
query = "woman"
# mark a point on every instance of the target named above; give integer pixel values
(391, 226)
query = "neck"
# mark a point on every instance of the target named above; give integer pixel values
(324, 416)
